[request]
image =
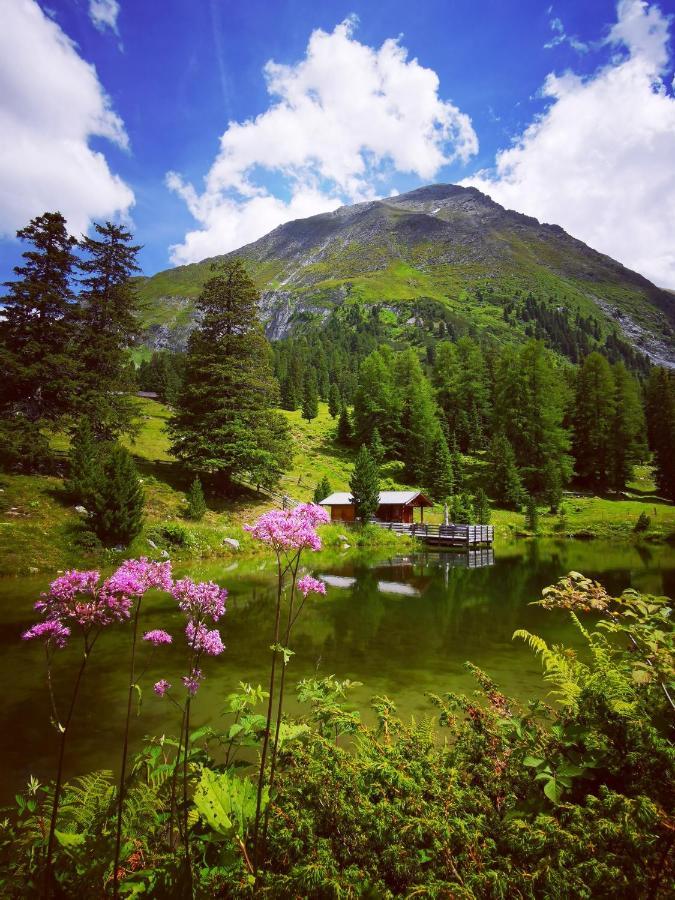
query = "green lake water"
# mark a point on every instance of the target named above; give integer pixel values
(400, 625)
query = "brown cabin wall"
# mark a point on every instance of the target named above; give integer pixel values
(342, 513)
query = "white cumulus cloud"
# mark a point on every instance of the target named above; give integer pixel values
(340, 122)
(103, 14)
(600, 161)
(51, 104)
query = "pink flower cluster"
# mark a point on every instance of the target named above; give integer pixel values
(290, 529)
(201, 640)
(199, 600)
(308, 585)
(191, 681)
(161, 687)
(157, 637)
(81, 599)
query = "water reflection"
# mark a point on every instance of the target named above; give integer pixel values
(401, 626)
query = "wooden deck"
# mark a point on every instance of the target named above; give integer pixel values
(465, 536)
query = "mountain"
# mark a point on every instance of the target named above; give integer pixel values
(443, 244)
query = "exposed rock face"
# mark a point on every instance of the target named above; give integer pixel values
(446, 236)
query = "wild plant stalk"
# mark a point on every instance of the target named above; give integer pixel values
(294, 565)
(186, 834)
(270, 707)
(63, 729)
(125, 751)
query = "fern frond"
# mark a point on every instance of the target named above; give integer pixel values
(561, 670)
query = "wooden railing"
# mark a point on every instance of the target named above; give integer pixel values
(450, 534)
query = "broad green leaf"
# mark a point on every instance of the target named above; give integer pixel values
(227, 802)
(532, 761)
(288, 733)
(553, 790)
(570, 770)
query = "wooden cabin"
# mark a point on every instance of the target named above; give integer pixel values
(395, 506)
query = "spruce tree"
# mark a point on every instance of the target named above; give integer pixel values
(84, 464)
(38, 356)
(108, 327)
(117, 505)
(628, 440)
(344, 432)
(457, 464)
(532, 513)
(310, 399)
(225, 422)
(365, 485)
(594, 415)
(376, 403)
(376, 446)
(661, 428)
(481, 506)
(440, 479)
(461, 509)
(334, 400)
(504, 477)
(196, 503)
(322, 490)
(418, 420)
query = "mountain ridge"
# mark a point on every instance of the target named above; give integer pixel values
(443, 243)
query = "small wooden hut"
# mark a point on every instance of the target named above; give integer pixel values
(395, 506)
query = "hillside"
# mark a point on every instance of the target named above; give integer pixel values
(442, 244)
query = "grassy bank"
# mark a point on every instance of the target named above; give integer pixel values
(41, 530)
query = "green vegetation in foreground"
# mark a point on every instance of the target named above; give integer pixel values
(40, 530)
(486, 798)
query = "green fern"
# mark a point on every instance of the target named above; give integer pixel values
(563, 671)
(85, 801)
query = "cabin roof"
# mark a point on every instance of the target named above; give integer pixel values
(387, 498)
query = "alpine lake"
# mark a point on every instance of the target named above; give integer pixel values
(399, 625)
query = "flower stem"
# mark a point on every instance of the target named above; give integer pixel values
(125, 751)
(63, 728)
(186, 835)
(268, 723)
(282, 680)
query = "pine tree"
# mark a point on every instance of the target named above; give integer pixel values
(532, 514)
(85, 464)
(628, 428)
(457, 464)
(108, 326)
(225, 422)
(376, 447)
(310, 399)
(418, 420)
(661, 428)
(322, 490)
(196, 503)
(440, 479)
(365, 485)
(344, 432)
(594, 415)
(461, 509)
(334, 400)
(38, 357)
(504, 477)
(481, 506)
(376, 403)
(117, 505)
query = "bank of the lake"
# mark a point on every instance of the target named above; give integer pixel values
(400, 624)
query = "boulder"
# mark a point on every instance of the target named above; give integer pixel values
(231, 542)
(152, 544)
(80, 510)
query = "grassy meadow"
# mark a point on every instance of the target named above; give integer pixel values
(40, 530)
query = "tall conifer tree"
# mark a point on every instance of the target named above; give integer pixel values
(225, 422)
(594, 414)
(365, 485)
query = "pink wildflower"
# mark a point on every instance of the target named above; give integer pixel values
(78, 597)
(199, 601)
(290, 529)
(136, 576)
(202, 640)
(191, 681)
(52, 631)
(157, 637)
(309, 585)
(161, 687)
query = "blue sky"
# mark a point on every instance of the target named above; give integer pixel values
(564, 111)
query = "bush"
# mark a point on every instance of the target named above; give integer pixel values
(173, 534)
(196, 504)
(643, 523)
(117, 504)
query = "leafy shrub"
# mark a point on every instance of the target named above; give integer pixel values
(173, 534)
(643, 523)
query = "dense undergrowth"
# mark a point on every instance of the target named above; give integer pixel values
(480, 799)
